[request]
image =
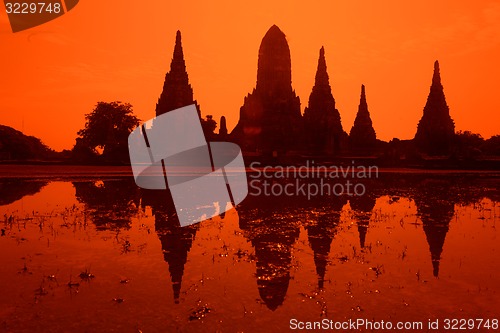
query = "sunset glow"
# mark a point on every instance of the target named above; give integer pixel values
(54, 74)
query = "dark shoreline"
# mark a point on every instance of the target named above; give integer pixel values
(35, 171)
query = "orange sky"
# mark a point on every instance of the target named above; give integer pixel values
(109, 50)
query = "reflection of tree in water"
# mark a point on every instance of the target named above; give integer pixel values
(321, 230)
(363, 207)
(435, 203)
(110, 203)
(272, 232)
(176, 241)
(12, 189)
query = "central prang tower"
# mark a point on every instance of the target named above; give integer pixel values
(270, 118)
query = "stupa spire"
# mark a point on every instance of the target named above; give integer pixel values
(362, 137)
(177, 92)
(323, 126)
(178, 65)
(223, 126)
(363, 106)
(322, 79)
(436, 129)
(436, 77)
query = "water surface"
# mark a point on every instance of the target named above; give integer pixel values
(93, 252)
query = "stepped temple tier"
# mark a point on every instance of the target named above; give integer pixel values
(436, 129)
(270, 118)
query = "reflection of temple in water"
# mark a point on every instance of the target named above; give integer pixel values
(362, 207)
(176, 241)
(435, 207)
(320, 233)
(272, 235)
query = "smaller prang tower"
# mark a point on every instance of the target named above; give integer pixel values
(323, 127)
(362, 138)
(436, 129)
(177, 92)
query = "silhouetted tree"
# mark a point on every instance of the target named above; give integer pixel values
(111, 204)
(209, 125)
(492, 146)
(468, 143)
(107, 129)
(18, 146)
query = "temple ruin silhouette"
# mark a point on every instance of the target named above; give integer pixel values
(362, 137)
(271, 122)
(322, 120)
(223, 128)
(436, 129)
(270, 118)
(177, 92)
